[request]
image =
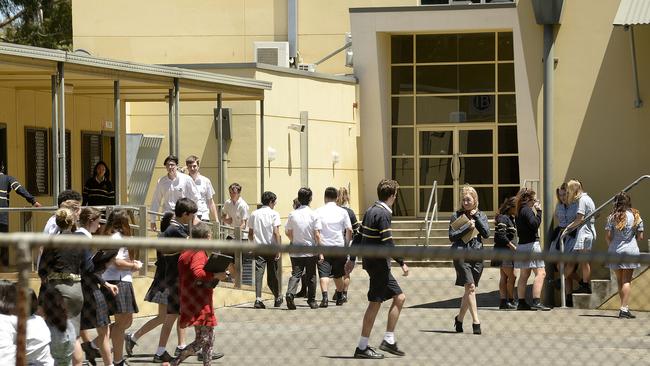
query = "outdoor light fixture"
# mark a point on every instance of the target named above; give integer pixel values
(336, 158)
(271, 154)
(297, 127)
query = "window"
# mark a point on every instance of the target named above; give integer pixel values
(91, 153)
(37, 167)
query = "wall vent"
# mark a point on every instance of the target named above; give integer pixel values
(272, 53)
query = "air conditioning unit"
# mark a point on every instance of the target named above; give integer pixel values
(272, 53)
(307, 67)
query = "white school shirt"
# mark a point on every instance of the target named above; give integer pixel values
(51, 228)
(206, 191)
(238, 211)
(112, 273)
(334, 221)
(38, 342)
(302, 222)
(8, 324)
(169, 191)
(263, 221)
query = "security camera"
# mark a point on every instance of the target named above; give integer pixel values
(297, 127)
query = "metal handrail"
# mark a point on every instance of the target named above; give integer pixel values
(586, 220)
(433, 196)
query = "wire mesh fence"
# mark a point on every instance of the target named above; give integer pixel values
(244, 332)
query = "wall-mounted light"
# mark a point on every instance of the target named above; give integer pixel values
(271, 154)
(336, 158)
(297, 127)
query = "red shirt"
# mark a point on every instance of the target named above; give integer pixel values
(196, 302)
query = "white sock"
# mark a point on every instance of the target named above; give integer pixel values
(133, 337)
(389, 337)
(92, 344)
(160, 351)
(363, 343)
(625, 308)
(181, 346)
(259, 299)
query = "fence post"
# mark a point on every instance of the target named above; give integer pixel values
(23, 299)
(142, 232)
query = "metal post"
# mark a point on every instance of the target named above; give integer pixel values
(635, 74)
(61, 100)
(171, 121)
(261, 147)
(23, 300)
(304, 150)
(142, 232)
(292, 29)
(55, 141)
(222, 168)
(118, 143)
(177, 105)
(548, 146)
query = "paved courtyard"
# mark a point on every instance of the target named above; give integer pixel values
(425, 331)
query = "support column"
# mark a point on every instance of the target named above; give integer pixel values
(55, 141)
(118, 142)
(177, 105)
(61, 110)
(304, 150)
(222, 167)
(170, 112)
(262, 148)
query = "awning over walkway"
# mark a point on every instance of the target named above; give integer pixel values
(633, 12)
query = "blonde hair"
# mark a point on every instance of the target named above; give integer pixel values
(343, 197)
(573, 190)
(468, 190)
(64, 219)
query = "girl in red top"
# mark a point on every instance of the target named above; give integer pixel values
(195, 288)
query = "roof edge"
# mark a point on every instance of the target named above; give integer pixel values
(391, 9)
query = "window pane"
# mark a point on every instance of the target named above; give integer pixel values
(402, 80)
(37, 168)
(506, 77)
(476, 47)
(485, 199)
(405, 203)
(437, 110)
(445, 200)
(403, 171)
(477, 108)
(506, 192)
(436, 48)
(436, 143)
(476, 78)
(402, 111)
(475, 141)
(508, 140)
(476, 170)
(435, 169)
(505, 46)
(437, 79)
(401, 49)
(403, 141)
(507, 109)
(508, 170)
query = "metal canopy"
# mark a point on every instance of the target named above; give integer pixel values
(633, 12)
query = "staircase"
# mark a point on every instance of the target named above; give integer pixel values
(601, 291)
(413, 232)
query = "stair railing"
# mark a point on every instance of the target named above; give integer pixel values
(586, 220)
(433, 198)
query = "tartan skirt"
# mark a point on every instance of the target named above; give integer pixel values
(94, 313)
(124, 302)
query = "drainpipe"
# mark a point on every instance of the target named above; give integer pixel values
(292, 31)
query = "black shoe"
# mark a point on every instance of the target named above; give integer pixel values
(511, 305)
(626, 315)
(121, 363)
(476, 328)
(458, 325)
(301, 293)
(290, 304)
(344, 298)
(177, 351)
(312, 304)
(569, 301)
(259, 305)
(340, 300)
(165, 357)
(367, 353)
(90, 353)
(324, 303)
(537, 305)
(278, 301)
(336, 296)
(523, 305)
(583, 288)
(129, 343)
(391, 348)
(215, 356)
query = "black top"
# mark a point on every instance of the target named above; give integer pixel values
(8, 184)
(356, 234)
(65, 260)
(175, 230)
(505, 231)
(98, 193)
(528, 224)
(375, 230)
(481, 224)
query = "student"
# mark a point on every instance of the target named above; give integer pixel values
(61, 328)
(336, 232)
(580, 206)
(8, 322)
(264, 229)
(195, 289)
(98, 190)
(343, 200)
(203, 185)
(235, 210)
(68, 195)
(505, 238)
(170, 188)
(376, 230)
(38, 338)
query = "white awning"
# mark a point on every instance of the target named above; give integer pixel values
(633, 12)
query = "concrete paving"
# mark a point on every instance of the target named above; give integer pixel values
(277, 336)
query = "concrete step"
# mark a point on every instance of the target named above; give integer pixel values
(601, 290)
(433, 241)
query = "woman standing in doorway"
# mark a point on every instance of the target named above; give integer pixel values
(98, 190)
(468, 272)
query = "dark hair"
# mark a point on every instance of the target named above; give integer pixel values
(234, 187)
(200, 231)
(507, 205)
(166, 220)
(33, 302)
(118, 221)
(54, 310)
(192, 159)
(107, 175)
(171, 158)
(304, 196)
(296, 203)
(331, 194)
(524, 197)
(87, 215)
(8, 294)
(268, 197)
(185, 206)
(68, 194)
(386, 188)
(622, 204)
